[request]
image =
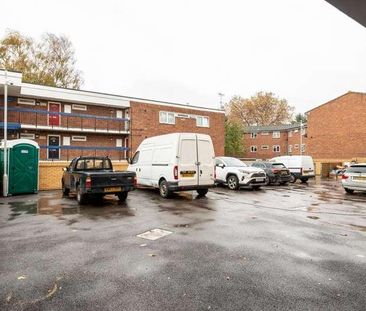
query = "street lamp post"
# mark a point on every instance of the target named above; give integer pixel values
(5, 176)
(301, 137)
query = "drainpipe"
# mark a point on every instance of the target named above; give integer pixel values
(5, 176)
(301, 137)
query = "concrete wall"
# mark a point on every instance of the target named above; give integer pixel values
(50, 173)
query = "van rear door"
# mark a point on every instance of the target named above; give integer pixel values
(187, 164)
(206, 157)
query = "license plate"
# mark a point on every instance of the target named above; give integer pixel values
(112, 189)
(359, 178)
(186, 174)
(306, 172)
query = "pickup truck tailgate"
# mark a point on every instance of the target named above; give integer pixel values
(107, 179)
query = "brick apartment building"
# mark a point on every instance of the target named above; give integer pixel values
(265, 142)
(337, 129)
(67, 123)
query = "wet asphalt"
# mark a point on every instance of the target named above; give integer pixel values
(297, 247)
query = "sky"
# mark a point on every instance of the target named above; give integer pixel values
(188, 51)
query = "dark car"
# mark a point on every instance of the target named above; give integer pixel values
(276, 173)
(94, 177)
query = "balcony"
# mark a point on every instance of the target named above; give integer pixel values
(37, 119)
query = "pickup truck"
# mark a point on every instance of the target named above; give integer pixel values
(94, 177)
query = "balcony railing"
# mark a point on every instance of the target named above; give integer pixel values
(43, 119)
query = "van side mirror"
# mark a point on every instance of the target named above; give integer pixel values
(129, 160)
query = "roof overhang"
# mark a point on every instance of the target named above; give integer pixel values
(356, 9)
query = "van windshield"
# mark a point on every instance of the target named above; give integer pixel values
(233, 162)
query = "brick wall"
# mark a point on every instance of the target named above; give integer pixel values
(145, 123)
(337, 129)
(50, 173)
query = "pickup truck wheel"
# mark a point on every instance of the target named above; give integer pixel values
(202, 192)
(80, 197)
(164, 189)
(293, 178)
(350, 191)
(232, 182)
(65, 191)
(122, 196)
(256, 187)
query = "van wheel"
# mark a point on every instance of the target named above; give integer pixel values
(122, 196)
(80, 197)
(65, 191)
(304, 180)
(202, 192)
(256, 187)
(350, 191)
(293, 178)
(233, 182)
(164, 189)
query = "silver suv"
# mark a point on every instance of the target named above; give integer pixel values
(354, 178)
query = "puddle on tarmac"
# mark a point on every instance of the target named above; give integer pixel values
(360, 228)
(313, 217)
(58, 206)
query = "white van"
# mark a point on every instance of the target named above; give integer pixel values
(300, 167)
(175, 162)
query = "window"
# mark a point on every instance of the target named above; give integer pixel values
(67, 108)
(79, 107)
(290, 134)
(119, 114)
(26, 101)
(27, 136)
(79, 138)
(166, 117)
(276, 134)
(276, 148)
(296, 146)
(66, 141)
(265, 147)
(93, 164)
(253, 135)
(119, 142)
(202, 121)
(303, 131)
(303, 148)
(265, 133)
(135, 158)
(253, 148)
(289, 148)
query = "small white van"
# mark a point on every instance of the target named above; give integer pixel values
(175, 162)
(300, 167)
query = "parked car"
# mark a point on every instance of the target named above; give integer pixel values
(354, 178)
(94, 177)
(235, 174)
(276, 173)
(300, 167)
(175, 162)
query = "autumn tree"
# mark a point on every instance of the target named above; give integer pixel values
(264, 108)
(233, 138)
(299, 117)
(51, 61)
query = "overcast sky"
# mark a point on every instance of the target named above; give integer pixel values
(187, 51)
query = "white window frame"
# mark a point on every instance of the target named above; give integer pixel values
(253, 149)
(78, 138)
(303, 146)
(28, 136)
(79, 107)
(275, 147)
(289, 148)
(253, 135)
(165, 115)
(67, 108)
(66, 141)
(290, 134)
(303, 131)
(119, 142)
(265, 133)
(200, 124)
(119, 114)
(296, 146)
(276, 134)
(264, 147)
(27, 101)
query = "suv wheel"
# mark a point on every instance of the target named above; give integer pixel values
(232, 182)
(350, 191)
(164, 189)
(293, 178)
(202, 192)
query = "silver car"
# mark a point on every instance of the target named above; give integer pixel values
(354, 178)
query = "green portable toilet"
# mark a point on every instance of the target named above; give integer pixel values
(23, 166)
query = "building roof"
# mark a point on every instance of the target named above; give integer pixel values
(81, 96)
(271, 128)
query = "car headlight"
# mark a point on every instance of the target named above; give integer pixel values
(244, 172)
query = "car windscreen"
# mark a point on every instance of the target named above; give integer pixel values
(233, 162)
(93, 164)
(356, 169)
(278, 165)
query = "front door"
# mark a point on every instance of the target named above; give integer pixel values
(53, 141)
(54, 119)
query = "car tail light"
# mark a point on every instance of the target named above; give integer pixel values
(345, 176)
(175, 172)
(275, 171)
(88, 182)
